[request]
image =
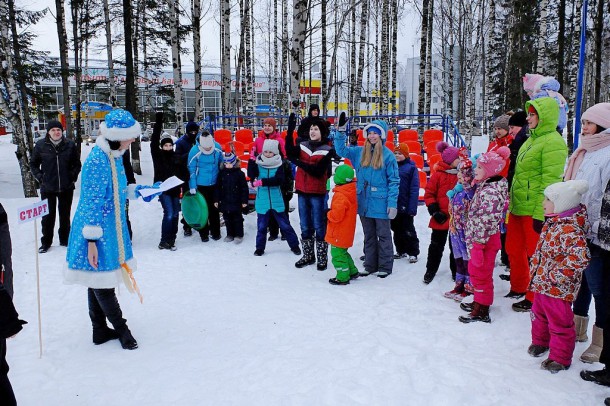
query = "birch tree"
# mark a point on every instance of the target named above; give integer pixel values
(174, 14)
(108, 30)
(225, 60)
(297, 52)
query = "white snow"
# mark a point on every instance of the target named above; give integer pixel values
(219, 326)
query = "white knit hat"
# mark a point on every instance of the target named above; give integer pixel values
(271, 146)
(566, 195)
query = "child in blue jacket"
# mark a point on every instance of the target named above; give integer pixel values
(405, 236)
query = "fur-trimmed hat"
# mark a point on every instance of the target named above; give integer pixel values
(229, 158)
(377, 126)
(502, 122)
(448, 153)
(344, 174)
(119, 125)
(598, 114)
(493, 162)
(566, 195)
(271, 146)
(519, 119)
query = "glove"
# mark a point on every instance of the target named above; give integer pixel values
(192, 191)
(292, 123)
(341, 126)
(392, 212)
(440, 217)
(537, 225)
(257, 183)
(150, 197)
(433, 208)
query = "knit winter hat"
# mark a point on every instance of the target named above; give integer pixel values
(377, 126)
(566, 195)
(519, 119)
(119, 125)
(54, 124)
(313, 107)
(166, 140)
(230, 158)
(493, 162)
(448, 153)
(192, 126)
(403, 148)
(502, 122)
(598, 114)
(531, 83)
(271, 146)
(343, 174)
(271, 121)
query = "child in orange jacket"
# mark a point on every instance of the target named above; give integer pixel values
(342, 225)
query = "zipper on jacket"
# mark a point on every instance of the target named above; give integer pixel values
(58, 178)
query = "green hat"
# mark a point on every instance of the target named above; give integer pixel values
(344, 174)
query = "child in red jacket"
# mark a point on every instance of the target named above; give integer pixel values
(556, 270)
(342, 225)
(442, 180)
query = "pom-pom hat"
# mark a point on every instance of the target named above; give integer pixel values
(343, 174)
(493, 162)
(448, 153)
(119, 125)
(566, 195)
(230, 158)
(377, 126)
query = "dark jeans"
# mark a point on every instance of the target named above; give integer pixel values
(61, 202)
(312, 216)
(605, 355)
(7, 396)
(503, 254)
(262, 222)
(103, 305)
(213, 225)
(435, 252)
(405, 236)
(593, 285)
(234, 222)
(169, 224)
(274, 228)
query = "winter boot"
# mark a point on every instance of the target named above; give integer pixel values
(457, 290)
(536, 350)
(592, 353)
(429, 276)
(101, 332)
(581, 324)
(126, 339)
(600, 377)
(322, 254)
(479, 313)
(108, 303)
(553, 366)
(309, 257)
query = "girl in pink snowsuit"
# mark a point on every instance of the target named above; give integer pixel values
(556, 270)
(485, 214)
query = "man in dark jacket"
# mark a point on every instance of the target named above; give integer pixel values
(312, 117)
(55, 164)
(517, 127)
(6, 252)
(183, 147)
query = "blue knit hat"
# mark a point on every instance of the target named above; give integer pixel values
(378, 126)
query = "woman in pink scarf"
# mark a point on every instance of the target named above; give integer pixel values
(591, 162)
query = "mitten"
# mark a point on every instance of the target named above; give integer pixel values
(192, 191)
(433, 208)
(341, 126)
(440, 217)
(292, 123)
(392, 212)
(257, 183)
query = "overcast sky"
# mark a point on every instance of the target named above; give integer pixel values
(46, 30)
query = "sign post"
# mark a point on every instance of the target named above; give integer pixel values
(25, 215)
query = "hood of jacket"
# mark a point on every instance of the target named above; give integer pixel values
(548, 115)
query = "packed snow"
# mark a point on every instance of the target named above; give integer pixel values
(220, 326)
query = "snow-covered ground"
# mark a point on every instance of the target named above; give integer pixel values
(221, 327)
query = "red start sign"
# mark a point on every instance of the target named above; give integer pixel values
(33, 211)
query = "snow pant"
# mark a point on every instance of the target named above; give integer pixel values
(461, 271)
(169, 224)
(7, 396)
(458, 244)
(6, 252)
(213, 225)
(312, 216)
(503, 255)
(61, 202)
(438, 239)
(343, 263)
(521, 240)
(553, 327)
(604, 358)
(405, 236)
(103, 304)
(274, 228)
(481, 269)
(592, 285)
(378, 249)
(262, 222)
(234, 222)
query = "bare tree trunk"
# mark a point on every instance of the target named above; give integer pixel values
(111, 81)
(130, 85)
(275, 55)
(225, 60)
(599, 32)
(541, 63)
(423, 50)
(249, 106)
(357, 88)
(177, 64)
(324, 83)
(384, 62)
(63, 61)
(285, 66)
(299, 26)
(429, 65)
(394, 18)
(196, 22)
(78, 73)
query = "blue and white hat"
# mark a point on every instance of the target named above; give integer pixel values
(378, 126)
(230, 158)
(119, 125)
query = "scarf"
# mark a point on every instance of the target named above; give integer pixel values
(590, 143)
(274, 162)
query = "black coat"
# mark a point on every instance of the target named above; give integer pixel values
(56, 168)
(9, 319)
(231, 190)
(6, 252)
(514, 147)
(165, 163)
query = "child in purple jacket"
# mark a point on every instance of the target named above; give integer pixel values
(485, 214)
(459, 200)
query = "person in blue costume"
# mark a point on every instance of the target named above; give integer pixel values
(377, 188)
(99, 248)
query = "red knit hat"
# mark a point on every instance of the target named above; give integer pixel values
(271, 121)
(532, 109)
(403, 148)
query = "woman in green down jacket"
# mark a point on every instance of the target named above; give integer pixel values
(540, 162)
